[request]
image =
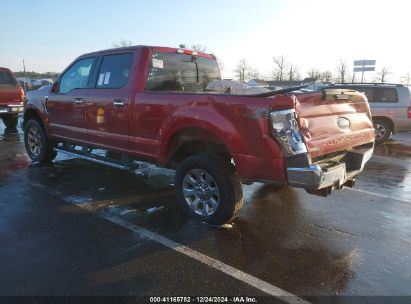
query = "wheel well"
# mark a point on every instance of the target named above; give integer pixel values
(386, 119)
(32, 114)
(193, 141)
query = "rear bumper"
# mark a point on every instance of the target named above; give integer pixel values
(333, 174)
(11, 109)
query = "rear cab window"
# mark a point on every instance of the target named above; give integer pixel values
(176, 72)
(6, 79)
(114, 71)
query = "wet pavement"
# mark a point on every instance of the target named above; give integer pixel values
(59, 234)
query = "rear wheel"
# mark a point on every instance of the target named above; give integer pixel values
(38, 146)
(208, 188)
(383, 130)
(10, 121)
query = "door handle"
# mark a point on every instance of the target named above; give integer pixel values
(79, 101)
(118, 103)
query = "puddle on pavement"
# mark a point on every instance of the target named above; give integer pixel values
(387, 179)
(274, 237)
(393, 149)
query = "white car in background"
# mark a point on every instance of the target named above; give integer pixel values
(41, 82)
(390, 106)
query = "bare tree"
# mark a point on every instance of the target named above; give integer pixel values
(353, 78)
(326, 76)
(122, 43)
(199, 48)
(382, 75)
(281, 63)
(406, 80)
(314, 74)
(242, 69)
(293, 73)
(342, 71)
(253, 74)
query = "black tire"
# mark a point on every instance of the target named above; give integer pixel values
(224, 178)
(10, 121)
(38, 146)
(383, 130)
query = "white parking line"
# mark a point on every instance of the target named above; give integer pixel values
(379, 195)
(393, 159)
(220, 266)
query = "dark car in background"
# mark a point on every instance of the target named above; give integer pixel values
(390, 106)
(38, 95)
(38, 83)
(25, 84)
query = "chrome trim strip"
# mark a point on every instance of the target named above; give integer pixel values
(315, 178)
(99, 161)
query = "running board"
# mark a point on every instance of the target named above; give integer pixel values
(128, 166)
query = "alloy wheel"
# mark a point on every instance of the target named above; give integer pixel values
(201, 192)
(34, 141)
(380, 131)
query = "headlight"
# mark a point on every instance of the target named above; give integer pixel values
(285, 129)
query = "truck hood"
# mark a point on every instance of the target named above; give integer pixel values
(334, 120)
(9, 94)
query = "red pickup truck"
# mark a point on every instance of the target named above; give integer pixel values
(152, 104)
(11, 98)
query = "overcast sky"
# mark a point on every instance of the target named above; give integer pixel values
(311, 34)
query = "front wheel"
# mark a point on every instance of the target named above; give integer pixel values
(38, 146)
(208, 188)
(10, 121)
(383, 131)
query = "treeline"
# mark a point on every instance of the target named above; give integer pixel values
(35, 75)
(286, 71)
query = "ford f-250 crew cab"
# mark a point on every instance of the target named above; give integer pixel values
(152, 104)
(11, 98)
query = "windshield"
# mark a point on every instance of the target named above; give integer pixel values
(181, 73)
(6, 78)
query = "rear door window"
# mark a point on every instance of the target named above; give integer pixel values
(77, 76)
(114, 71)
(385, 95)
(6, 78)
(369, 92)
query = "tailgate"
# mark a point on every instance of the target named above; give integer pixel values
(9, 94)
(334, 120)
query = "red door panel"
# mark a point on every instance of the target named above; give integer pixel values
(66, 114)
(107, 106)
(66, 107)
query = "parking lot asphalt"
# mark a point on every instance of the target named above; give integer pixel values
(78, 228)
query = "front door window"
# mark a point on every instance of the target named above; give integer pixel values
(77, 76)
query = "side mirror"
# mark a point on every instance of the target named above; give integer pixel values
(55, 88)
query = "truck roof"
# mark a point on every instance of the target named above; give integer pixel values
(155, 48)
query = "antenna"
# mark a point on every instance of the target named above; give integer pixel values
(25, 78)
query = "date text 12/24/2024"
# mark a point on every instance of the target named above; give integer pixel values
(235, 299)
